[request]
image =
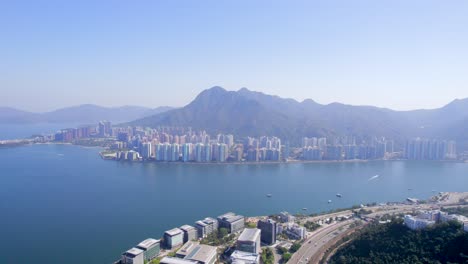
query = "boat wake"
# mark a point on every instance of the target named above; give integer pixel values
(373, 177)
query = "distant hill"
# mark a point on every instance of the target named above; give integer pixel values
(246, 112)
(12, 115)
(82, 114)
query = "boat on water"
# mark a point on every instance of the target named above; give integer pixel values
(304, 209)
(269, 195)
(338, 195)
(409, 189)
(329, 201)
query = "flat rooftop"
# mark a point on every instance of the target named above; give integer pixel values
(169, 260)
(249, 234)
(226, 215)
(209, 220)
(201, 223)
(173, 232)
(234, 218)
(245, 257)
(147, 243)
(133, 252)
(187, 248)
(186, 227)
(202, 253)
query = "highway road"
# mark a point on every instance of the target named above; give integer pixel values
(317, 239)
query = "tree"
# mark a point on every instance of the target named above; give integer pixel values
(295, 247)
(311, 226)
(286, 257)
(250, 225)
(267, 256)
(281, 250)
(395, 243)
(223, 232)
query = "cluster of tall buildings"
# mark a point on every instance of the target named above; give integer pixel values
(263, 149)
(430, 149)
(103, 129)
(177, 144)
(345, 148)
(187, 145)
(198, 152)
(70, 134)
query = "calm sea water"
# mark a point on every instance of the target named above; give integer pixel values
(63, 204)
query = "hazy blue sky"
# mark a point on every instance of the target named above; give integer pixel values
(397, 54)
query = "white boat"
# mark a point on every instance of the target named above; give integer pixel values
(329, 201)
(338, 195)
(269, 195)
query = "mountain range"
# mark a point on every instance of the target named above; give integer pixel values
(250, 113)
(82, 114)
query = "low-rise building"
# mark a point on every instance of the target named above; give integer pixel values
(212, 224)
(453, 217)
(173, 238)
(133, 256)
(434, 215)
(428, 218)
(232, 222)
(201, 229)
(295, 231)
(170, 260)
(203, 254)
(186, 249)
(242, 257)
(150, 247)
(206, 226)
(417, 223)
(249, 240)
(190, 233)
(193, 251)
(285, 217)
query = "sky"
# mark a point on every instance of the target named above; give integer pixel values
(397, 54)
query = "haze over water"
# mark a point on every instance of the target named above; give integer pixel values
(66, 199)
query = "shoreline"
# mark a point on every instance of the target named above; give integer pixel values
(19, 143)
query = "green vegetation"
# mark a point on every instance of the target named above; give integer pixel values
(281, 250)
(171, 254)
(295, 247)
(282, 236)
(363, 212)
(250, 225)
(267, 256)
(457, 210)
(395, 243)
(154, 261)
(218, 237)
(311, 226)
(286, 257)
